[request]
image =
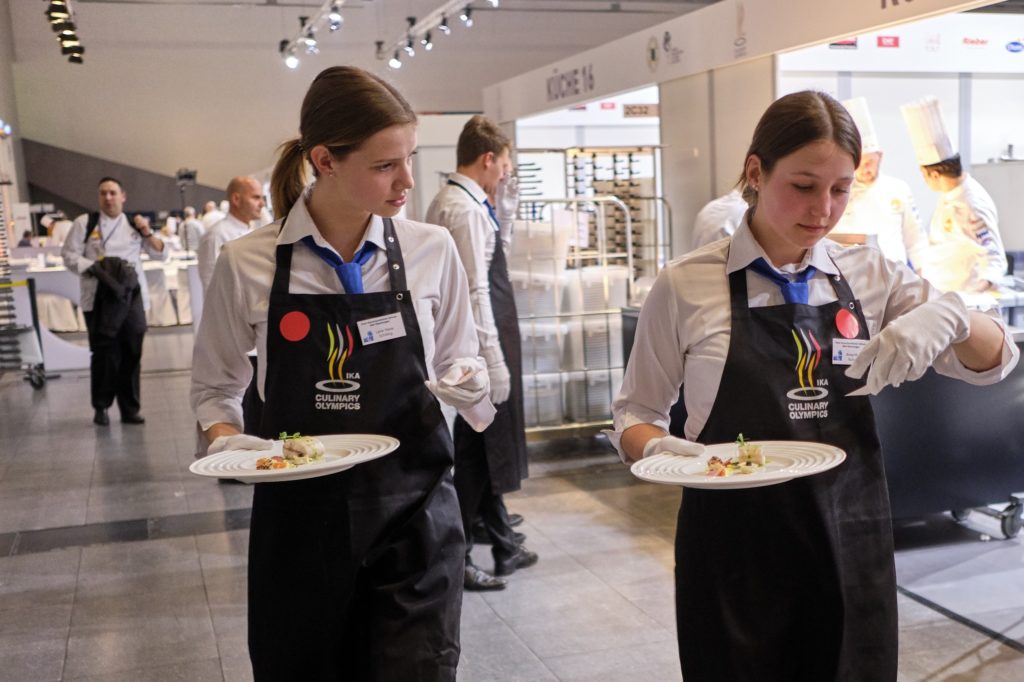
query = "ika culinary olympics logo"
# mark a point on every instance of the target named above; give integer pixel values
(808, 357)
(337, 392)
(810, 400)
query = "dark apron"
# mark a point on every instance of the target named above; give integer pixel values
(505, 438)
(356, 575)
(790, 582)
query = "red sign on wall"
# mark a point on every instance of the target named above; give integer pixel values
(888, 41)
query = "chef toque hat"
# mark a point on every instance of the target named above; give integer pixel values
(927, 131)
(46, 220)
(858, 108)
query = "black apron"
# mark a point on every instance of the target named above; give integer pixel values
(356, 575)
(796, 581)
(505, 438)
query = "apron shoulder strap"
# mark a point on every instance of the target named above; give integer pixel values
(396, 264)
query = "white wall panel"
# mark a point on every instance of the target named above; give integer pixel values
(997, 116)
(686, 159)
(741, 94)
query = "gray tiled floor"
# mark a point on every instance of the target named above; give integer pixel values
(597, 607)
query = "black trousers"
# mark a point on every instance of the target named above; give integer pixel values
(476, 496)
(114, 368)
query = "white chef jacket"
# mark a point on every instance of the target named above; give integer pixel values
(235, 310)
(213, 240)
(59, 233)
(191, 232)
(112, 237)
(718, 219)
(212, 218)
(462, 211)
(887, 207)
(967, 212)
(682, 336)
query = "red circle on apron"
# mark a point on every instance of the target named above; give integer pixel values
(294, 326)
(847, 324)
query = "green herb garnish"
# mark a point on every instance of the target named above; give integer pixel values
(285, 436)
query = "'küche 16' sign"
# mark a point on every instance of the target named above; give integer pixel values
(571, 83)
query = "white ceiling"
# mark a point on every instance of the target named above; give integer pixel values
(171, 83)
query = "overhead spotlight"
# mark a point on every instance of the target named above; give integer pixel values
(58, 10)
(427, 43)
(291, 61)
(409, 49)
(62, 25)
(70, 41)
(395, 62)
(335, 14)
(467, 17)
(309, 39)
(494, 3)
(443, 26)
(334, 26)
(72, 49)
(76, 59)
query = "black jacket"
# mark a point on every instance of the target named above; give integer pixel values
(118, 307)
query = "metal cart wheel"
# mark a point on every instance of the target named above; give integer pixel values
(960, 514)
(37, 376)
(1011, 521)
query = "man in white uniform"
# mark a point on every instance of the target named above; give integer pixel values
(881, 204)
(491, 463)
(211, 214)
(718, 219)
(191, 230)
(967, 251)
(94, 237)
(245, 204)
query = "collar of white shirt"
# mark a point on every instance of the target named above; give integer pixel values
(236, 222)
(744, 250)
(470, 185)
(300, 225)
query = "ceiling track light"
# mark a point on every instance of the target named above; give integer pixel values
(326, 19)
(60, 16)
(396, 61)
(435, 20)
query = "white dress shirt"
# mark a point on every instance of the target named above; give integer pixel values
(683, 333)
(887, 208)
(966, 215)
(212, 218)
(213, 240)
(112, 237)
(235, 311)
(475, 234)
(718, 219)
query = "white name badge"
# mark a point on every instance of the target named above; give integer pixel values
(845, 351)
(384, 328)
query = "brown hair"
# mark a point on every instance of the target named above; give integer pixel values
(796, 120)
(343, 107)
(479, 136)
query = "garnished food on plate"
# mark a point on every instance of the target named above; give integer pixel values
(302, 449)
(297, 450)
(749, 459)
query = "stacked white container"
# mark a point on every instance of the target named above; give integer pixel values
(542, 399)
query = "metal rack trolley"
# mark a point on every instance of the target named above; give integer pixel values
(20, 343)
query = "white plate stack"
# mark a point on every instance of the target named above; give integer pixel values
(589, 394)
(594, 342)
(542, 399)
(542, 345)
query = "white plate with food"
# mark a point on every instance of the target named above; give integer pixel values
(727, 466)
(296, 457)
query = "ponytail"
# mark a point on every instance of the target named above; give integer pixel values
(289, 177)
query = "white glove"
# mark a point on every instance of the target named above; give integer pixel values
(909, 345)
(463, 385)
(506, 199)
(671, 445)
(239, 441)
(501, 382)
